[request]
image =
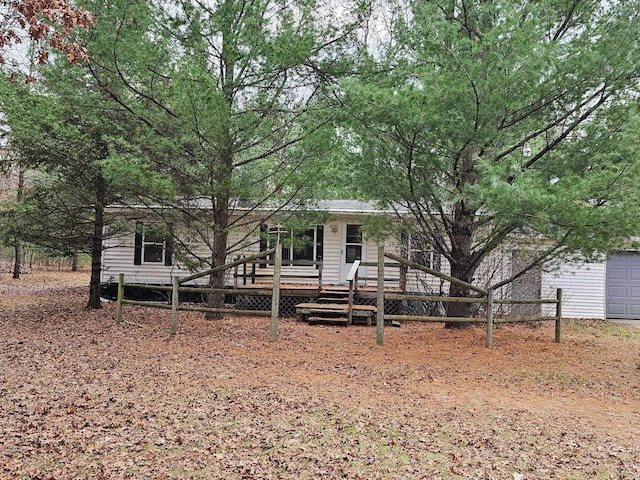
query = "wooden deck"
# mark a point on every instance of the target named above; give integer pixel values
(314, 288)
(286, 289)
(287, 286)
(327, 305)
(333, 313)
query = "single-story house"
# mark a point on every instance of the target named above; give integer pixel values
(606, 289)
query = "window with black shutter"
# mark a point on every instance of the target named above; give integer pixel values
(153, 244)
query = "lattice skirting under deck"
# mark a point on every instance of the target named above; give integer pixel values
(288, 304)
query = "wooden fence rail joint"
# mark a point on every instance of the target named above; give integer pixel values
(485, 297)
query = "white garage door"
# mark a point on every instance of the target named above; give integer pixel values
(623, 285)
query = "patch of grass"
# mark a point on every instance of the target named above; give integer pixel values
(622, 331)
(602, 328)
(560, 378)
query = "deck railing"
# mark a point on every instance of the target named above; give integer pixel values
(249, 274)
(352, 278)
(401, 279)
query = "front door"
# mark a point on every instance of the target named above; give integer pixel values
(353, 248)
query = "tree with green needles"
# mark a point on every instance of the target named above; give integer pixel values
(502, 121)
(63, 126)
(228, 94)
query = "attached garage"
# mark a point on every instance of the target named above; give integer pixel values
(623, 286)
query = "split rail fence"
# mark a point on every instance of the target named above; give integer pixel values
(177, 288)
(484, 296)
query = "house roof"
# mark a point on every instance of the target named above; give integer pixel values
(330, 206)
(352, 206)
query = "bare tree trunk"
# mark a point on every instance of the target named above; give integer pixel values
(461, 234)
(220, 177)
(17, 262)
(218, 255)
(74, 261)
(459, 309)
(96, 244)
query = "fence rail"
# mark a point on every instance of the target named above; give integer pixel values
(484, 297)
(176, 289)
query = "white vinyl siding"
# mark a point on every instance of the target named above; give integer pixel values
(583, 289)
(118, 258)
(583, 284)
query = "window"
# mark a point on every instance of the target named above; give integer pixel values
(153, 244)
(417, 249)
(306, 245)
(353, 244)
(301, 246)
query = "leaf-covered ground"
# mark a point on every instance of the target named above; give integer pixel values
(82, 397)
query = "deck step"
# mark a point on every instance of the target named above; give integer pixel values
(328, 311)
(332, 320)
(333, 299)
(340, 292)
(309, 307)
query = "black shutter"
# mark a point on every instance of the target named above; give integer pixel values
(263, 241)
(168, 253)
(319, 243)
(137, 251)
(404, 244)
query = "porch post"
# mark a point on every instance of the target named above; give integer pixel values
(380, 298)
(403, 278)
(235, 277)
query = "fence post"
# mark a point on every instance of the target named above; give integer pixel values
(489, 339)
(120, 296)
(558, 315)
(275, 299)
(380, 298)
(403, 278)
(174, 305)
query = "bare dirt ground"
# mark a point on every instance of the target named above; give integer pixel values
(82, 397)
